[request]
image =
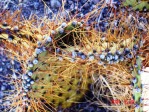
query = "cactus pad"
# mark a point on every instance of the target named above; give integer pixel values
(141, 5)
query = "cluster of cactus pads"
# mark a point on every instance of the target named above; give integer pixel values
(60, 59)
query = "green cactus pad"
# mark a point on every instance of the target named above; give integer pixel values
(137, 94)
(137, 5)
(58, 82)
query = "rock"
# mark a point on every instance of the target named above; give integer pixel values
(3, 88)
(1, 69)
(55, 4)
(1, 94)
(95, 1)
(36, 5)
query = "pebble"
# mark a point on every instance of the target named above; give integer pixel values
(95, 1)
(30, 73)
(35, 61)
(61, 30)
(38, 51)
(63, 25)
(30, 65)
(91, 58)
(3, 88)
(14, 76)
(102, 56)
(49, 39)
(1, 95)
(55, 4)
(36, 5)
(1, 69)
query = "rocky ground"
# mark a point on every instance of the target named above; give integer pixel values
(10, 68)
(9, 71)
(39, 8)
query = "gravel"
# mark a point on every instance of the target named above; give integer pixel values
(7, 67)
(37, 7)
(86, 107)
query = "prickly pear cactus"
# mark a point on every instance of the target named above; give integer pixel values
(141, 5)
(62, 62)
(62, 79)
(137, 91)
(52, 77)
